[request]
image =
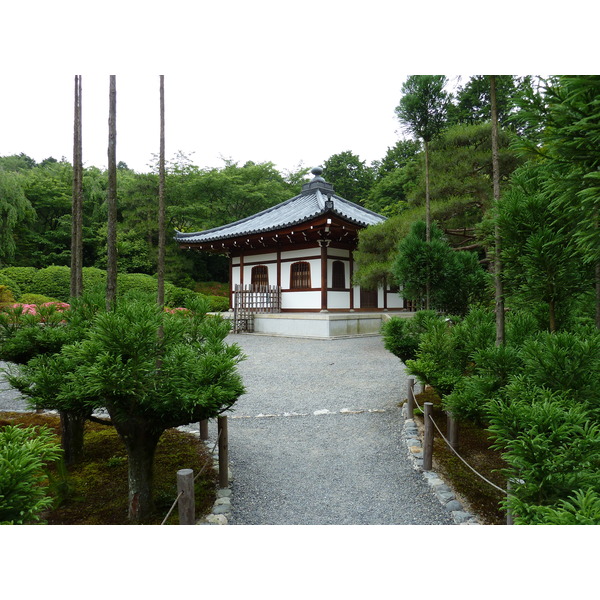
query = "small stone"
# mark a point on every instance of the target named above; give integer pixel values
(453, 505)
(446, 497)
(216, 520)
(323, 411)
(223, 493)
(461, 516)
(221, 509)
(223, 501)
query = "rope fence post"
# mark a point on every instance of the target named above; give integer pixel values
(410, 405)
(185, 493)
(204, 429)
(428, 436)
(223, 452)
(509, 517)
(452, 430)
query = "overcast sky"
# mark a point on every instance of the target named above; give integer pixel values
(291, 83)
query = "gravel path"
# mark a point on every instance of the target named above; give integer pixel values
(317, 438)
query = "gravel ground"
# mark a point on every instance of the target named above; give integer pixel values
(10, 399)
(345, 465)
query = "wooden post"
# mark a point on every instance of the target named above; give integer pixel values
(204, 429)
(509, 517)
(223, 452)
(428, 437)
(187, 502)
(452, 430)
(410, 405)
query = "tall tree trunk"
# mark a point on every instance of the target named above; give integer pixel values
(427, 220)
(141, 443)
(77, 205)
(72, 427)
(72, 423)
(498, 284)
(111, 267)
(161, 199)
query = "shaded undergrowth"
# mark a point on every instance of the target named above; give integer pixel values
(95, 491)
(474, 444)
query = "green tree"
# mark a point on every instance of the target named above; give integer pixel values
(351, 177)
(453, 279)
(542, 260)
(423, 111)
(117, 367)
(15, 209)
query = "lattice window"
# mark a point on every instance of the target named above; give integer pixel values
(338, 275)
(300, 276)
(260, 275)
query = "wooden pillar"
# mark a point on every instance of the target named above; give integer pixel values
(242, 270)
(323, 245)
(351, 285)
(278, 268)
(230, 281)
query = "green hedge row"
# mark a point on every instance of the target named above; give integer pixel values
(55, 282)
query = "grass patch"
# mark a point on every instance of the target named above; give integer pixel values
(474, 444)
(95, 491)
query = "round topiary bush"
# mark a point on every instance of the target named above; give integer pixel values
(10, 284)
(22, 276)
(35, 299)
(93, 278)
(219, 304)
(54, 282)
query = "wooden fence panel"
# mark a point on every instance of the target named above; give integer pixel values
(249, 300)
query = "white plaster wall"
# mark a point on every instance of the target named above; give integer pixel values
(293, 254)
(338, 252)
(301, 300)
(339, 300)
(394, 300)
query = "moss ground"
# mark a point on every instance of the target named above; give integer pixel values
(474, 446)
(95, 491)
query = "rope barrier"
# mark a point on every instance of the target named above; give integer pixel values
(453, 450)
(196, 477)
(172, 508)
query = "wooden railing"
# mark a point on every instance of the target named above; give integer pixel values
(249, 300)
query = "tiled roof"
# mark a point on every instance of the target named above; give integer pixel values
(310, 203)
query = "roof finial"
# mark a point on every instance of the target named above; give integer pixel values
(317, 171)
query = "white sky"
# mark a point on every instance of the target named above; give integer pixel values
(254, 80)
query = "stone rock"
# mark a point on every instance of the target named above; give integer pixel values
(216, 520)
(446, 497)
(453, 505)
(222, 509)
(223, 493)
(461, 516)
(223, 501)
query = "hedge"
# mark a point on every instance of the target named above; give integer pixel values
(11, 284)
(22, 276)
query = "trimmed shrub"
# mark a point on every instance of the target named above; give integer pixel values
(218, 304)
(22, 276)
(401, 336)
(54, 282)
(35, 299)
(12, 285)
